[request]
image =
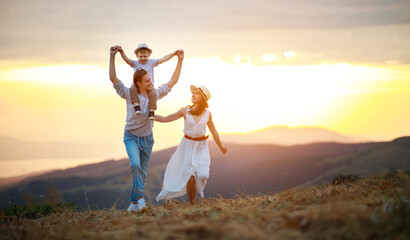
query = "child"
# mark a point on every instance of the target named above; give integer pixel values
(188, 168)
(143, 53)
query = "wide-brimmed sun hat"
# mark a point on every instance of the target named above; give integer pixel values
(143, 46)
(203, 90)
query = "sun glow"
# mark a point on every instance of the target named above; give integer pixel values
(289, 54)
(67, 75)
(245, 97)
(237, 59)
(268, 57)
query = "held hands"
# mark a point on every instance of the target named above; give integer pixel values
(115, 49)
(180, 54)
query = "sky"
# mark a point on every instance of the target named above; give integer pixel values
(339, 65)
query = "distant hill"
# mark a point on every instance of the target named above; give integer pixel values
(10, 181)
(389, 156)
(13, 149)
(289, 171)
(246, 168)
(287, 136)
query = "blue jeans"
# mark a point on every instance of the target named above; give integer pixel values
(139, 151)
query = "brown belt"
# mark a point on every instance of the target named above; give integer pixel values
(198, 138)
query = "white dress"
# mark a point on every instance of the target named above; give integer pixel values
(191, 158)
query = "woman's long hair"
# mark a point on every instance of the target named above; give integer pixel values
(138, 77)
(200, 106)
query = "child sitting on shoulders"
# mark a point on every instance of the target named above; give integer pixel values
(143, 53)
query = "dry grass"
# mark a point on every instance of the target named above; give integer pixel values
(373, 208)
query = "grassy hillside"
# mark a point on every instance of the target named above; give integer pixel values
(372, 208)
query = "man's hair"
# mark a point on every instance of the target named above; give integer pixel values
(138, 77)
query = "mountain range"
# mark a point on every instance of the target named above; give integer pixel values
(287, 136)
(246, 168)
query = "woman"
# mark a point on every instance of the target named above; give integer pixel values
(188, 169)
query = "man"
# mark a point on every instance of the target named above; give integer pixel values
(138, 137)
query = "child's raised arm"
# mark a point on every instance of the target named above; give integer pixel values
(215, 134)
(167, 57)
(126, 59)
(172, 117)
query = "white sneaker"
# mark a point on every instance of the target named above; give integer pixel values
(133, 208)
(141, 204)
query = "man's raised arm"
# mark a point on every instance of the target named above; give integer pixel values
(113, 75)
(177, 72)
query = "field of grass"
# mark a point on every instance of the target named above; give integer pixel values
(371, 208)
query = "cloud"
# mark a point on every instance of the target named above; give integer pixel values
(81, 30)
(98, 15)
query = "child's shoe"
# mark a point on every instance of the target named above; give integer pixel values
(151, 115)
(137, 109)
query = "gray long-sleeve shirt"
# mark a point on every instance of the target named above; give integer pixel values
(139, 125)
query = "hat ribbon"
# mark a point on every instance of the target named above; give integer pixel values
(206, 98)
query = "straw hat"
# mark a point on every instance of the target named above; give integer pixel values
(203, 90)
(143, 46)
